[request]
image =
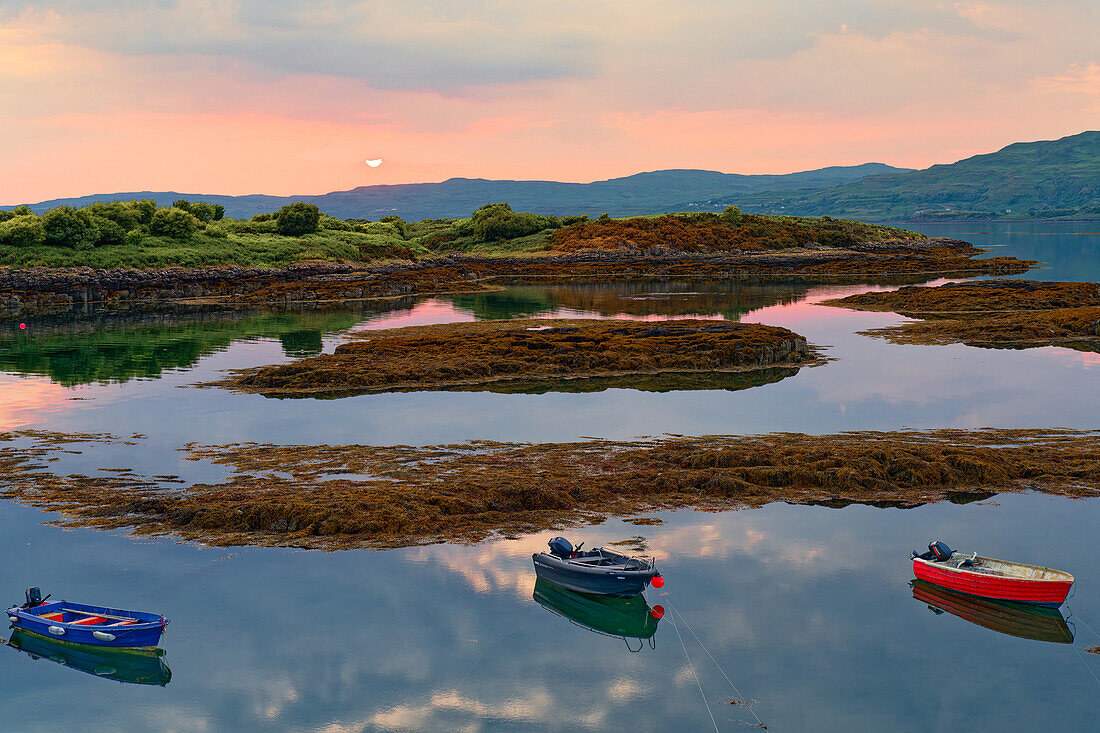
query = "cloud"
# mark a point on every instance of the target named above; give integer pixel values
(568, 90)
(387, 44)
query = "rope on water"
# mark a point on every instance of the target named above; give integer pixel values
(1085, 662)
(693, 674)
(1077, 617)
(716, 664)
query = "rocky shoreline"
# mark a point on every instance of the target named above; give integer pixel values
(47, 289)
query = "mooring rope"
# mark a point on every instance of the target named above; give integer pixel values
(716, 664)
(1086, 663)
(693, 674)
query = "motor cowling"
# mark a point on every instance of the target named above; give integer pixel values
(940, 551)
(34, 597)
(561, 547)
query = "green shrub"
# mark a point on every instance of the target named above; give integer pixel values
(181, 204)
(174, 223)
(122, 213)
(134, 237)
(297, 219)
(216, 232)
(22, 231)
(333, 224)
(69, 227)
(144, 209)
(494, 222)
(110, 232)
(219, 212)
(6, 215)
(605, 216)
(263, 217)
(264, 226)
(202, 211)
(574, 219)
(731, 215)
(400, 224)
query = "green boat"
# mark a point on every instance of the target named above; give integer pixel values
(121, 665)
(621, 618)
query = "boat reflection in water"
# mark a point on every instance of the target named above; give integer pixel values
(134, 667)
(628, 619)
(1024, 620)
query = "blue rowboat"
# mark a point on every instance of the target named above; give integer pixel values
(81, 623)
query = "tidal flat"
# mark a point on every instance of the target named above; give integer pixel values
(348, 496)
(536, 352)
(991, 313)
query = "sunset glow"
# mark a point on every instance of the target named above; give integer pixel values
(243, 97)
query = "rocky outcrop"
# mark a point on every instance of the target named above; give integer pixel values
(51, 289)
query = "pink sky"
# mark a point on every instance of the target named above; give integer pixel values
(240, 96)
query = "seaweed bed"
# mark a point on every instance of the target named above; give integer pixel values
(44, 289)
(991, 313)
(302, 496)
(534, 351)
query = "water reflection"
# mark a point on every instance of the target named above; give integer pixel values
(629, 619)
(109, 346)
(121, 666)
(1022, 620)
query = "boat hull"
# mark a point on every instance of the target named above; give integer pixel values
(1022, 620)
(1038, 592)
(621, 584)
(143, 636)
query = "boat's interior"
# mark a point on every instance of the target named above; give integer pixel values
(85, 618)
(1005, 568)
(600, 557)
(992, 566)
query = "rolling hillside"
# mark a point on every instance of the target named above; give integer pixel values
(642, 193)
(1045, 179)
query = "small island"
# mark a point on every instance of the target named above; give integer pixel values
(989, 313)
(135, 252)
(486, 354)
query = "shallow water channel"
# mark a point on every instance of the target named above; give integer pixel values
(804, 611)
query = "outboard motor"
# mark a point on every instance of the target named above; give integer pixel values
(939, 551)
(560, 547)
(34, 598)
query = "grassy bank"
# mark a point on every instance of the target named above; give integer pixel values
(138, 234)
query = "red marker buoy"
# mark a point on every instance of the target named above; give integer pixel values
(22, 327)
(657, 612)
(658, 581)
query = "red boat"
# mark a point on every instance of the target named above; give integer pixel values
(989, 577)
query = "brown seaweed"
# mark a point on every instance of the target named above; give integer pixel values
(465, 355)
(991, 313)
(300, 495)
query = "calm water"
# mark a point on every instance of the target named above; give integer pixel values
(806, 610)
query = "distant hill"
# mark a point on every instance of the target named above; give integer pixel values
(1045, 179)
(642, 193)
